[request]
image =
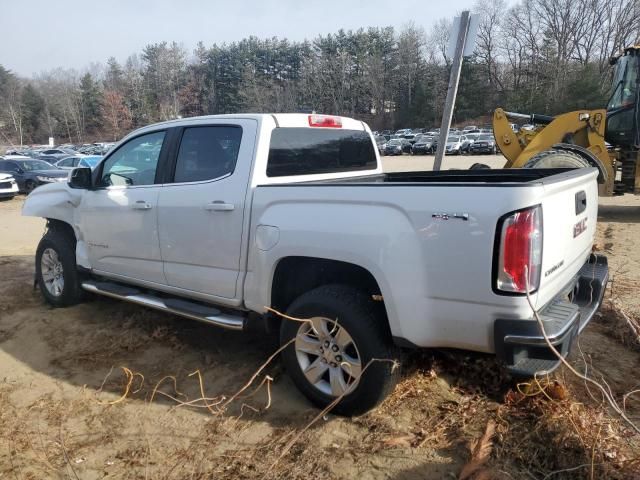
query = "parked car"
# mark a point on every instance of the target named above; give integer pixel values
(483, 144)
(8, 186)
(403, 131)
(424, 144)
(393, 147)
(68, 163)
(23, 152)
(30, 173)
(453, 146)
(469, 128)
(52, 155)
(294, 218)
(467, 140)
(380, 142)
(90, 161)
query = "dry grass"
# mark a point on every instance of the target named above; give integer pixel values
(620, 324)
(163, 426)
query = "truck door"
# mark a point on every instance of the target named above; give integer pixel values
(118, 219)
(201, 211)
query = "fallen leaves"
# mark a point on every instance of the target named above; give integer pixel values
(399, 441)
(480, 453)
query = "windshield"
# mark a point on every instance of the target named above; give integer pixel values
(29, 165)
(485, 137)
(453, 139)
(624, 82)
(394, 142)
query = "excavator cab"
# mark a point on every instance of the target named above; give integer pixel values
(623, 106)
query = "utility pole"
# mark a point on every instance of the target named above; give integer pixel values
(454, 78)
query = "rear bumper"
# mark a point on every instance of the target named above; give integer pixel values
(521, 344)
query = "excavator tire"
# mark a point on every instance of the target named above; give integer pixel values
(556, 159)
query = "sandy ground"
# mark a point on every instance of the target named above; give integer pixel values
(63, 373)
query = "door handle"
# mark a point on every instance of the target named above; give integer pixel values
(141, 205)
(219, 206)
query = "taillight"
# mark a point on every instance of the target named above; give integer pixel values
(326, 121)
(520, 255)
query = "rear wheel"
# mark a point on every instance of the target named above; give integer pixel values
(333, 354)
(556, 159)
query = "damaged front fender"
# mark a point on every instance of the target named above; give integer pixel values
(54, 201)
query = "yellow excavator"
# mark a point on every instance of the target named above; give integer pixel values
(608, 139)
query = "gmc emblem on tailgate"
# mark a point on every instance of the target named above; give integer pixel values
(579, 227)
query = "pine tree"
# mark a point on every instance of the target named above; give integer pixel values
(32, 110)
(91, 104)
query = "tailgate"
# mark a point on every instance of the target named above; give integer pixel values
(569, 215)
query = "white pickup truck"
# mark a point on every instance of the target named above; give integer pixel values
(218, 218)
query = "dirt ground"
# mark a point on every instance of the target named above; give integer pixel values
(64, 374)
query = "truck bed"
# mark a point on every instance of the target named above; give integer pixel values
(509, 176)
(494, 177)
(432, 248)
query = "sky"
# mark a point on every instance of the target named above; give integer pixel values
(43, 34)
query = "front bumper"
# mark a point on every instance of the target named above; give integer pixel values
(482, 149)
(421, 149)
(8, 189)
(521, 345)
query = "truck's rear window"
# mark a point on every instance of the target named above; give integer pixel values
(307, 151)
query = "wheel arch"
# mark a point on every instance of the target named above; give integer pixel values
(295, 275)
(589, 157)
(61, 226)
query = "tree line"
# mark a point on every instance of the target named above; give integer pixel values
(542, 56)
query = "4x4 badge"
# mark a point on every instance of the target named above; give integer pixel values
(447, 216)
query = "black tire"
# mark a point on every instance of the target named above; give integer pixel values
(365, 321)
(29, 186)
(556, 159)
(63, 244)
(479, 166)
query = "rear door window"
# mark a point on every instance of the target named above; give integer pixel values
(207, 153)
(308, 151)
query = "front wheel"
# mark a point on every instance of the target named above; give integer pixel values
(343, 350)
(56, 270)
(556, 159)
(29, 186)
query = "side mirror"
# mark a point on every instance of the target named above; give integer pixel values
(81, 178)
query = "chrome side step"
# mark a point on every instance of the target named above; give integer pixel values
(184, 308)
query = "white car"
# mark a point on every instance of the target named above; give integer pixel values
(223, 218)
(454, 145)
(8, 186)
